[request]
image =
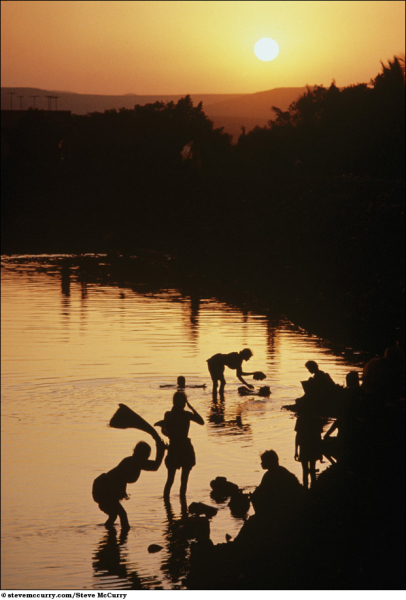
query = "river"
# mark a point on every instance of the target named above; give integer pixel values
(72, 350)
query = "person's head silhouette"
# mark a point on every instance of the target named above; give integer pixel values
(312, 366)
(181, 381)
(246, 354)
(179, 400)
(142, 451)
(269, 459)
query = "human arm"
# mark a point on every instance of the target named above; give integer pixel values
(153, 465)
(240, 374)
(195, 415)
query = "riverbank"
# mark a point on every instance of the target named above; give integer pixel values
(348, 534)
(327, 252)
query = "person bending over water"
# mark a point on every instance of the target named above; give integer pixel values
(234, 360)
(181, 454)
(111, 487)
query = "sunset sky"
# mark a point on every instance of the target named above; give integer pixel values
(194, 47)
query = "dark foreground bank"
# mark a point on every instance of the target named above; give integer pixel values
(348, 534)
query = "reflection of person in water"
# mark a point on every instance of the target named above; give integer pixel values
(175, 564)
(233, 360)
(108, 562)
(181, 454)
(111, 487)
(308, 446)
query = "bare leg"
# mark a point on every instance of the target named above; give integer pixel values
(214, 380)
(110, 521)
(112, 510)
(222, 385)
(169, 482)
(312, 472)
(305, 475)
(123, 518)
(183, 507)
(183, 481)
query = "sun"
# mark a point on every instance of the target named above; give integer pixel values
(266, 49)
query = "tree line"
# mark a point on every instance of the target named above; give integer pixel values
(313, 203)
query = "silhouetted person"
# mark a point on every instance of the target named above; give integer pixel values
(321, 379)
(276, 501)
(181, 384)
(346, 424)
(181, 454)
(111, 487)
(319, 388)
(308, 446)
(234, 360)
(279, 491)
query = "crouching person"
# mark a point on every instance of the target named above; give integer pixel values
(111, 487)
(276, 501)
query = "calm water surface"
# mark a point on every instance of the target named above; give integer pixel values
(70, 354)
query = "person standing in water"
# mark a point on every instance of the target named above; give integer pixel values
(181, 455)
(308, 446)
(111, 487)
(233, 360)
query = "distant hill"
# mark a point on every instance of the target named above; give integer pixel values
(231, 111)
(81, 104)
(255, 105)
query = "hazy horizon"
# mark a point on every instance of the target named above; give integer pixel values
(189, 93)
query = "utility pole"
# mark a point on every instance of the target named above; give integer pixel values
(49, 102)
(34, 97)
(21, 102)
(11, 94)
(56, 102)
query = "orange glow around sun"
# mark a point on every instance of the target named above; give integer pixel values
(194, 47)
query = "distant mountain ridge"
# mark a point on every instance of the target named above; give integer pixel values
(231, 111)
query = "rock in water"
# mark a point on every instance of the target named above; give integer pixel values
(199, 508)
(154, 548)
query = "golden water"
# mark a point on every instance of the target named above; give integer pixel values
(68, 358)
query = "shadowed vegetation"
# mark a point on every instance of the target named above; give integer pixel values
(307, 212)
